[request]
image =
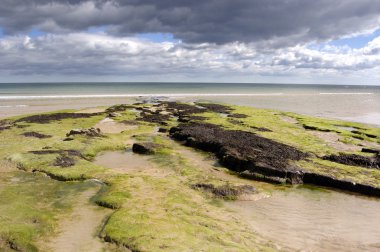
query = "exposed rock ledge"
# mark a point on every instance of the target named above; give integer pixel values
(248, 153)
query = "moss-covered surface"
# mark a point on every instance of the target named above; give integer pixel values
(154, 209)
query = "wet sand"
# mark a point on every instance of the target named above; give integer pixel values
(79, 232)
(310, 219)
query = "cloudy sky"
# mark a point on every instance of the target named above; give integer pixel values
(282, 41)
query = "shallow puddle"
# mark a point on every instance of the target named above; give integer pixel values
(108, 125)
(123, 160)
(314, 220)
(131, 163)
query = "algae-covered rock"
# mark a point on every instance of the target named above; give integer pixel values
(145, 148)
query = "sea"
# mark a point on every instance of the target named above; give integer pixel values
(358, 103)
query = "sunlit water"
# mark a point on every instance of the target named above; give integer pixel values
(356, 103)
(314, 220)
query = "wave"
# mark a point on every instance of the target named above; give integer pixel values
(346, 93)
(32, 97)
(11, 106)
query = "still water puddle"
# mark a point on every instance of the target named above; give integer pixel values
(314, 220)
(123, 161)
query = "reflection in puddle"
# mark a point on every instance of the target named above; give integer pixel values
(314, 220)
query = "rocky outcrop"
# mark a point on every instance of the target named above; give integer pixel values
(145, 148)
(355, 160)
(91, 132)
(263, 159)
(46, 118)
(241, 151)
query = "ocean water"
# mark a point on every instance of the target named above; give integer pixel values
(354, 103)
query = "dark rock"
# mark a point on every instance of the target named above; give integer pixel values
(154, 118)
(188, 118)
(118, 108)
(217, 108)
(68, 139)
(144, 148)
(91, 132)
(64, 161)
(46, 118)
(182, 109)
(324, 180)
(309, 127)
(36, 135)
(367, 150)
(355, 160)
(261, 129)
(162, 130)
(237, 115)
(240, 150)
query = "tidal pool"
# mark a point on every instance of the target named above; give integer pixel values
(310, 219)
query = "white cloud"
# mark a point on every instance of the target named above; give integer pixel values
(101, 55)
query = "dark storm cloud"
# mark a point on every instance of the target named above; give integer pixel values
(277, 23)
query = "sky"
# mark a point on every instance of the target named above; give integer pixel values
(259, 41)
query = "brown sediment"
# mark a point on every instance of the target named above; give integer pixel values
(35, 134)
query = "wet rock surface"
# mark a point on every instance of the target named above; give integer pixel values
(154, 118)
(46, 118)
(217, 108)
(91, 132)
(181, 109)
(225, 191)
(355, 160)
(240, 150)
(36, 135)
(145, 148)
(118, 108)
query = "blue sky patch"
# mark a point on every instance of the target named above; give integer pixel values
(158, 37)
